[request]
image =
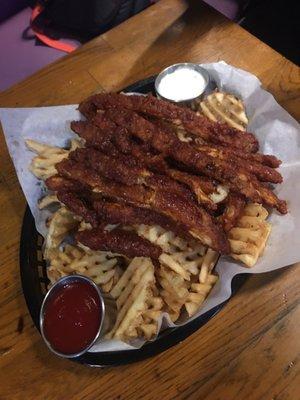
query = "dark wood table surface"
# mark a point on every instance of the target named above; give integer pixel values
(251, 349)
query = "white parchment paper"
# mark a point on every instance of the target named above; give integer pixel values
(278, 134)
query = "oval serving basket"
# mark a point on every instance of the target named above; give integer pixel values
(34, 283)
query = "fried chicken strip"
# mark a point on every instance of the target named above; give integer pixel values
(79, 206)
(265, 159)
(239, 180)
(100, 211)
(200, 185)
(72, 170)
(262, 172)
(157, 163)
(127, 170)
(196, 220)
(213, 132)
(235, 205)
(142, 153)
(232, 157)
(119, 213)
(58, 183)
(126, 243)
(100, 137)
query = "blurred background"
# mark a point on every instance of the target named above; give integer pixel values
(30, 30)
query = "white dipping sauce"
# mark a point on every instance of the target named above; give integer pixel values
(182, 84)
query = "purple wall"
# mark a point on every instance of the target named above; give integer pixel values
(11, 7)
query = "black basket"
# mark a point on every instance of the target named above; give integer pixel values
(34, 283)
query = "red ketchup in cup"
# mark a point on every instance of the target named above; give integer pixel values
(72, 317)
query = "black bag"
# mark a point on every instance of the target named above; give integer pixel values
(84, 19)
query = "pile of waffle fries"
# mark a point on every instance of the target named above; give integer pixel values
(183, 276)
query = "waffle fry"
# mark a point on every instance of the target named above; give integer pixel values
(106, 287)
(43, 165)
(179, 255)
(60, 260)
(84, 226)
(248, 239)
(47, 201)
(100, 266)
(177, 292)
(198, 293)
(224, 107)
(181, 262)
(62, 222)
(174, 291)
(182, 134)
(220, 194)
(149, 328)
(138, 304)
(209, 261)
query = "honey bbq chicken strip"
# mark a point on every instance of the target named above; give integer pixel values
(118, 241)
(79, 205)
(233, 157)
(263, 172)
(195, 219)
(71, 171)
(264, 159)
(59, 183)
(101, 211)
(156, 162)
(212, 132)
(101, 138)
(121, 213)
(234, 207)
(200, 185)
(127, 170)
(239, 180)
(120, 141)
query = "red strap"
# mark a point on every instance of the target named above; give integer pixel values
(56, 44)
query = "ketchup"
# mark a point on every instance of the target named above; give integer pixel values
(72, 317)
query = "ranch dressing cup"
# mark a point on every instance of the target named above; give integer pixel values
(183, 83)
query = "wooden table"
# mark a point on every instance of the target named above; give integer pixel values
(251, 349)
